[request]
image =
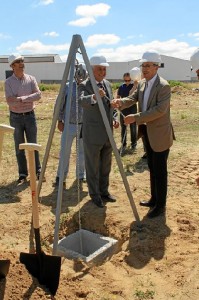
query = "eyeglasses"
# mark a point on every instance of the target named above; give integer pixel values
(18, 61)
(148, 66)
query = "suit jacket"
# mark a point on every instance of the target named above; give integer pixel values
(157, 116)
(94, 130)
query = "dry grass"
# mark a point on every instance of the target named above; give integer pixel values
(157, 263)
(185, 119)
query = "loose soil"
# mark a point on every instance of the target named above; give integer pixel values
(159, 262)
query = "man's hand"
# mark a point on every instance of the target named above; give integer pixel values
(101, 93)
(129, 119)
(116, 124)
(116, 103)
(60, 126)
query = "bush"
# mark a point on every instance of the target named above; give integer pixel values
(49, 87)
(175, 83)
(116, 85)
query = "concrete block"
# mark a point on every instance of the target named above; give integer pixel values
(87, 246)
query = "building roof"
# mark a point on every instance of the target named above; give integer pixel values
(35, 58)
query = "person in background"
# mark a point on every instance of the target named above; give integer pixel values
(75, 117)
(195, 68)
(97, 147)
(123, 91)
(153, 119)
(136, 76)
(21, 92)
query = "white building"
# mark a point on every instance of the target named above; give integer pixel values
(49, 68)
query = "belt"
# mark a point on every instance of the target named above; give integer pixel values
(23, 114)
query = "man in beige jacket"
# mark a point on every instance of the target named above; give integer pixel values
(153, 120)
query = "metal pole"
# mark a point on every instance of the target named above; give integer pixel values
(63, 149)
(56, 113)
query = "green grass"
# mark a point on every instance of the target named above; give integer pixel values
(141, 295)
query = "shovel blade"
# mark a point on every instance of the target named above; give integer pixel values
(4, 268)
(45, 268)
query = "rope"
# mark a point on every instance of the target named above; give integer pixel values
(78, 168)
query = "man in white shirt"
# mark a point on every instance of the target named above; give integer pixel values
(153, 120)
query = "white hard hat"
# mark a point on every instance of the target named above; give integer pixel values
(98, 61)
(151, 56)
(195, 60)
(13, 58)
(135, 74)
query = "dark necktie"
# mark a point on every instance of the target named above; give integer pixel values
(101, 86)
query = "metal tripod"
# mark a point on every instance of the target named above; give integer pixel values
(76, 45)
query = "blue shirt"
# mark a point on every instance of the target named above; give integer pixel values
(73, 113)
(124, 90)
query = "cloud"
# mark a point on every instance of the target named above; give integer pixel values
(96, 10)
(89, 13)
(36, 47)
(172, 47)
(83, 22)
(130, 52)
(195, 35)
(4, 36)
(42, 3)
(45, 2)
(52, 34)
(100, 39)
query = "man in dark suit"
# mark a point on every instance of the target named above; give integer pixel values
(122, 92)
(97, 147)
(153, 119)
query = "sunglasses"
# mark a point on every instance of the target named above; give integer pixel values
(148, 66)
(18, 61)
(127, 80)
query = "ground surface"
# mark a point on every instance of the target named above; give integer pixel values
(159, 262)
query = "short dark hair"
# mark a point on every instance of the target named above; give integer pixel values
(126, 74)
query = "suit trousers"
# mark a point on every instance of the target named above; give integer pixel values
(157, 163)
(98, 166)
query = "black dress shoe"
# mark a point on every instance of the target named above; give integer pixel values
(149, 203)
(22, 179)
(144, 156)
(155, 212)
(108, 198)
(97, 201)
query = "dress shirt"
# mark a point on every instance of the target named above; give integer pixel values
(25, 90)
(147, 91)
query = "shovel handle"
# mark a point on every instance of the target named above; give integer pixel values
(4, 129)
(31, 148)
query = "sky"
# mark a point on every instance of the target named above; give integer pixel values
(121, 30)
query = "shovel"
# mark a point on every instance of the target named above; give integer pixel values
(4, 264)
(45, 268)
(4, 129)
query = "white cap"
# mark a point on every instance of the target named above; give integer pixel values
(135, 74)
(151, 56)
(13, 58)
(98, 61)
(195, 60)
